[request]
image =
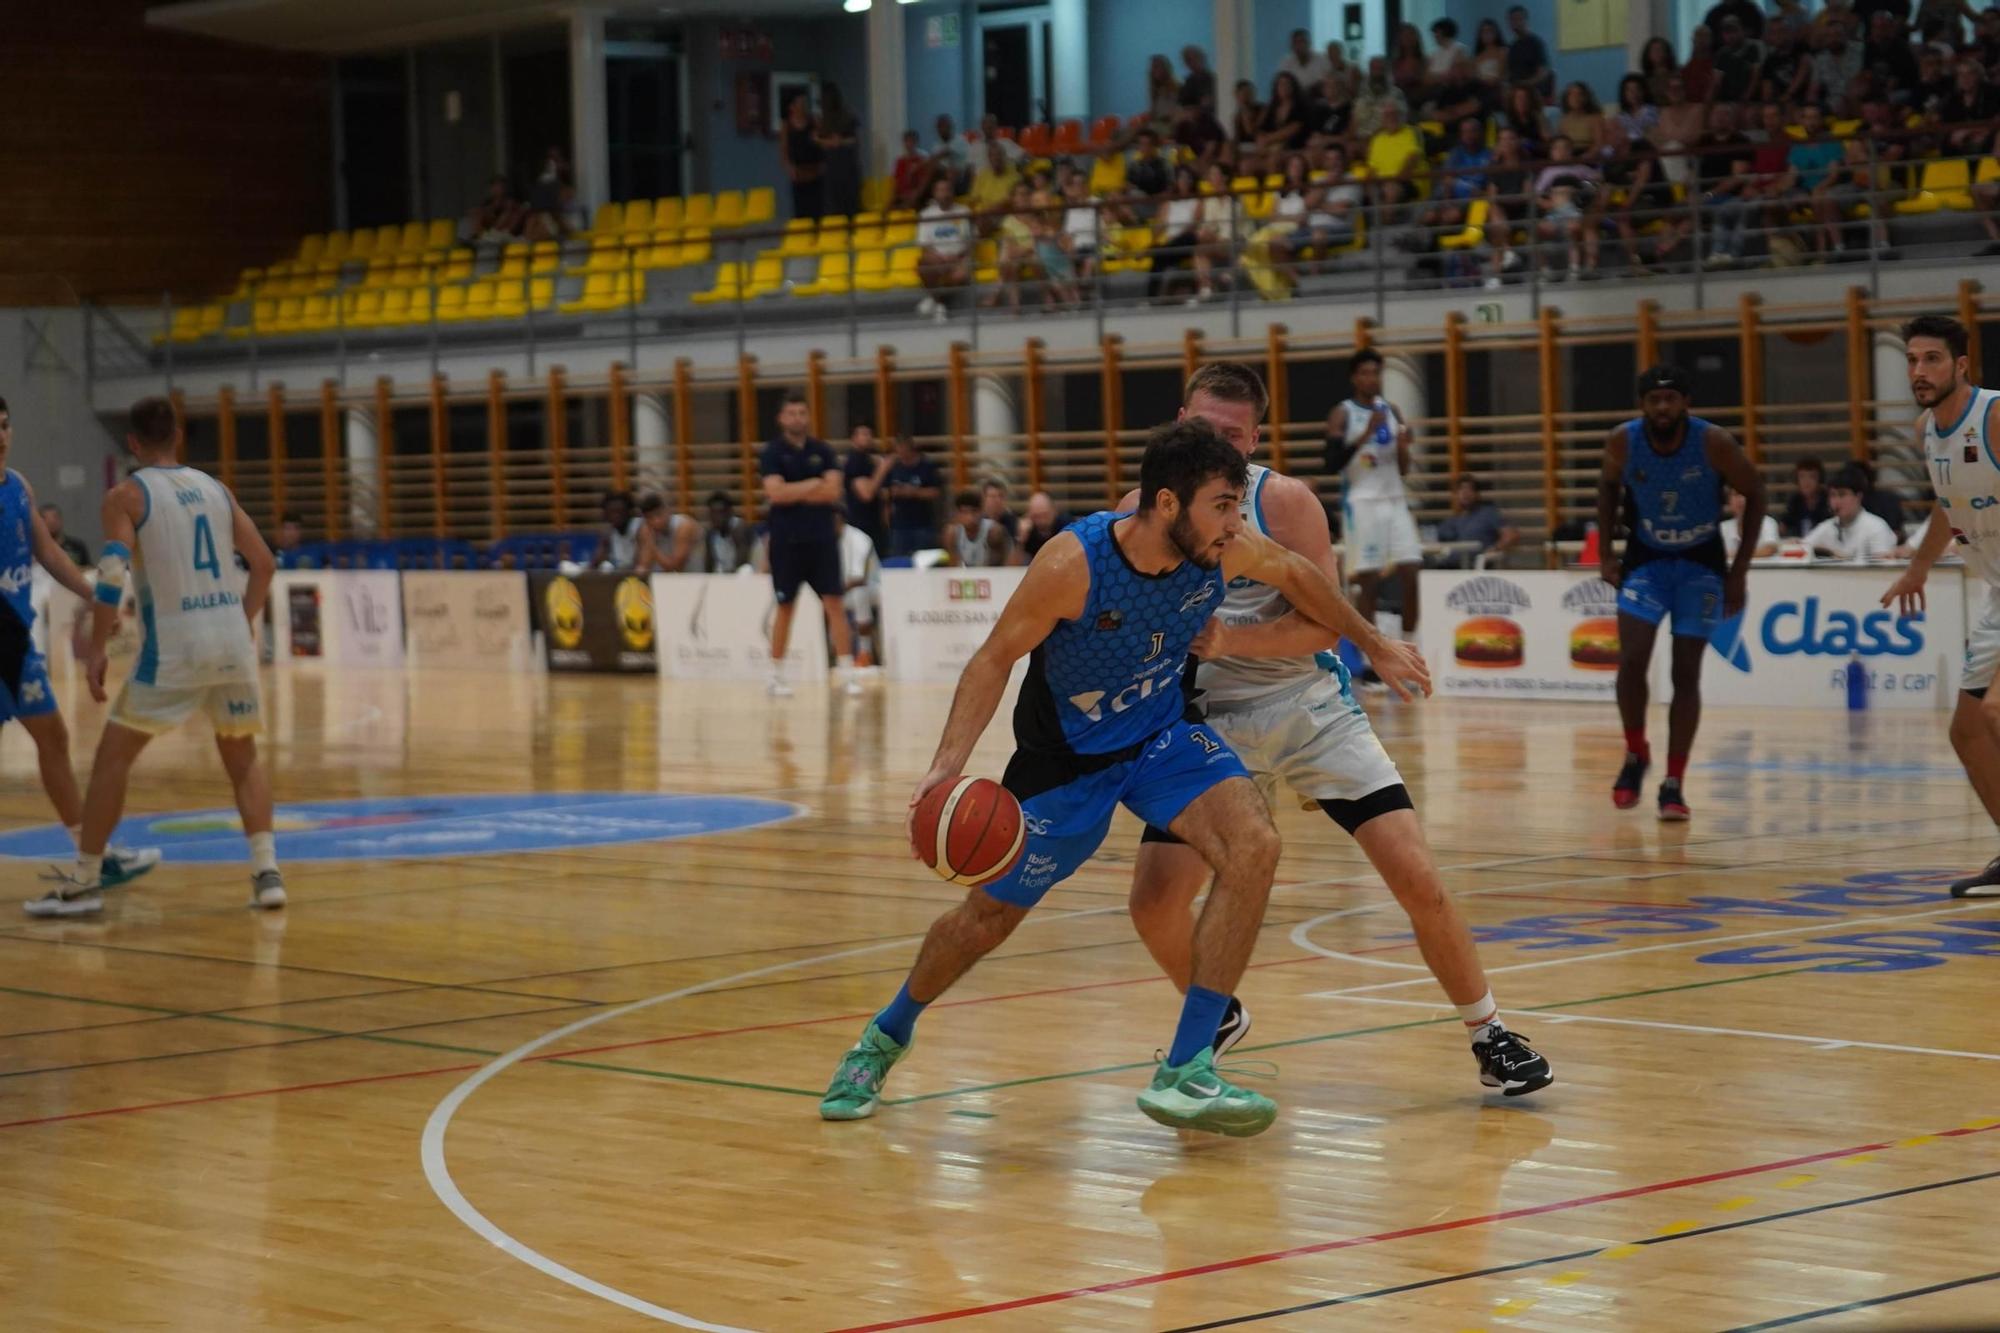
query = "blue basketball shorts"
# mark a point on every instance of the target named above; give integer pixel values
(1690, 593)
(1068, 800)
(24, 675)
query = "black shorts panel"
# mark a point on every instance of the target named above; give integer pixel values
(815, 564)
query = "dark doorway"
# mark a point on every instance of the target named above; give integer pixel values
(1009, 73)
(643, 118)
(374, 162)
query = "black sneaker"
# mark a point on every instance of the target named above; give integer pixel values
(1673, 805)
(1508, 1063)
(1235, 1027)
(1625, 791)
(1985, 884)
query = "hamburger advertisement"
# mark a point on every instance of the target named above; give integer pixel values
(1527, 634)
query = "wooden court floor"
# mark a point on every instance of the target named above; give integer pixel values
(575, 1089)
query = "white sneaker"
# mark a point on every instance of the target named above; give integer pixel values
(927, 306)
(267, 889)
(65, 897)
(938, 313)
(851, 687)
(122, 865)
(777, 689)
(1493, 283)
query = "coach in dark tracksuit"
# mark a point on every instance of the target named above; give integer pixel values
(802, 485)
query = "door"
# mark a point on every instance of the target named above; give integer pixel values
(642, 86)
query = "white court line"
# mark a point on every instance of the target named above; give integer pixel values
(438, 1172)
(1817, 1043)
(1704, 942)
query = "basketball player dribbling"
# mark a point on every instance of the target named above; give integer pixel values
(26, 695)
(1107, 611)
(1368, 445)
(1663, 473)
(1270, 685)
(1957, 429)
(177, 531)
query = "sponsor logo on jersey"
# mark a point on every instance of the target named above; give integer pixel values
(1110, 620)
(1199, 597)
(1091, 702)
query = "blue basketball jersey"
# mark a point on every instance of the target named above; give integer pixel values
(17, 547)
(1111, 678)
(1674, 500)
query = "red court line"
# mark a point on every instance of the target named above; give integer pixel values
(234, 1096)
(1433, 1228)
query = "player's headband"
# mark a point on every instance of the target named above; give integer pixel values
(1666, 377)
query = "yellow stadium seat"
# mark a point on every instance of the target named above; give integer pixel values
(547, 257)
(700, 211)
(320, 314)
(411, 241)
(799, 238)
(876, 192)
(1945, 183)
(695, 246)
(832, 235)
(337, 245)
(458, 268)
(609, 220)
(986, 262)
(728, 209)
(388, 238)
(602, 291)
(515, 301)
(728, 284)
(867, 231)
(833, 279)
(638, 225)
(513, 263)
(361, 244)
(441, 233)
(421, 302)
(668, 213)
(479, 299)
(184, 327)
(311, 248)
(393, 307)
(900, 229)
(450, 303)
(767, 275)
(661, 254)
(898, 273)
(1474, 232)
(871, 270)
(364, 308)
(760, 206)
(1989, 170)
(286, 319)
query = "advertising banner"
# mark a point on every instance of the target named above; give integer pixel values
(350, 616)
(467, 618)
(935, 619)
(1527, 634)
(595, 622)
(718, 627)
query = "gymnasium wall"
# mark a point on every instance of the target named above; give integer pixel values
(130, 153)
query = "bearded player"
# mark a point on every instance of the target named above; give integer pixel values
(1957, 430)
(1270, 685)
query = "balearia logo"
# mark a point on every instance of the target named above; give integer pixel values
(1488, 595)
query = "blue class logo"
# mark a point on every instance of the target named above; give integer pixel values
(1803, 628)
(427, 827)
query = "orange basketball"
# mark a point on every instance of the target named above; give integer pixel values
(969, 831)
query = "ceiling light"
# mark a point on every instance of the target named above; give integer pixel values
(856, 6)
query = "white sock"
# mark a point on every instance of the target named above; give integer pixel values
(1409, 636)
(75, 835)
(89, 869)
(777, 668)
(1479, 1015)
(263, 852)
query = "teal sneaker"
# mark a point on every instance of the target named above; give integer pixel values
(1194, 1096)
(857, 1085)
(122, 865)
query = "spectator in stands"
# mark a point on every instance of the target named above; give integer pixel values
(667, 540)
(1570, 201)
(1986, 194)
(1524, 115)
(1489, 60)
(1882, 131)
(1852, 533)
(1934, 85)
(1636, 118)
(1177, 235)
(1808, 507)
(618, 539)
(1738, 64)
(1507, 182)
(1887, 58)
(1732, 528)
(1582, 123)
(1395, 158)
(563, 219)
(1198, 88)
(1282, 129)
(1376, 96)
(1683, 123)
(993, 187)
(728, 542)
(1725, 167)
(1346, 77)
(1476, 520)
(1016, 250)
(1942, 20)
(993, 507)
(989, 130)
(1041, 522)
(944, 249)
(498, 217)
(1808, 164)
(52, 519)
(1306, 65)
(1527, 55)
(291, 537)
(949, 158)
(863, 470)
(1163, 96)
(1290, 206)
(911, 179)
(1836, 64)
(861, 580)
(1748, 15)
(1450, 63)
(1218, 227)
(1985, 46)
(1082, 220)
(1329, 113)
(1849, 186)
(1972, 105)
(1246, 122)
(974, 541)
(802, 490)
(1148, 174)
(1768, 189)
(1786, 74)
(1334, 207)
(1657, 65)
(1408, 66)
(543, 196)
(914, 486)
(1885, 502)
(1699, 71)
(1464, 178)
(1107, 179)
(1201, 137)
(840, 143)
(1053, 255)
(804, 159)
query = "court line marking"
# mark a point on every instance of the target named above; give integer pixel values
(1704, 942)
(1870, 1303)
(1501, 1270)
(1377, 1238)
(1818, 1043)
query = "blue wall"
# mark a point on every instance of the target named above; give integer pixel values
(1272, 41)
(1601, 67)
(1126, 34)
(834, 48)
(937, 82)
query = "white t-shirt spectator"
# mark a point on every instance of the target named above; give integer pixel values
(1080, 224)
(947, 231)
(1219, 213)
(1337, 208)
(1180, 215)
(1732, 535)
(1445, 59)
(1866, 538)
(859, 566)
(1308, 72)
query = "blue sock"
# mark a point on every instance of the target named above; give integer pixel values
(1201, 1015)
(900, 1017)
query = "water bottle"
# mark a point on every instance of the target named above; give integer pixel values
(1857, 684)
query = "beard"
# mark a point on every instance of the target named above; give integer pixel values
(1188, 543)
(1930, 395)
(1662, 434)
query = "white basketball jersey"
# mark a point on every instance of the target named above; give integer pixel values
(1966, 477)
(190, 590)
(1372, 474)
(1248, 602)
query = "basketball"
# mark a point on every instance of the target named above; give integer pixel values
(969, 831)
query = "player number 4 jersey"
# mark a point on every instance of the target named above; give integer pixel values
(1966, 478)
(190, 589)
